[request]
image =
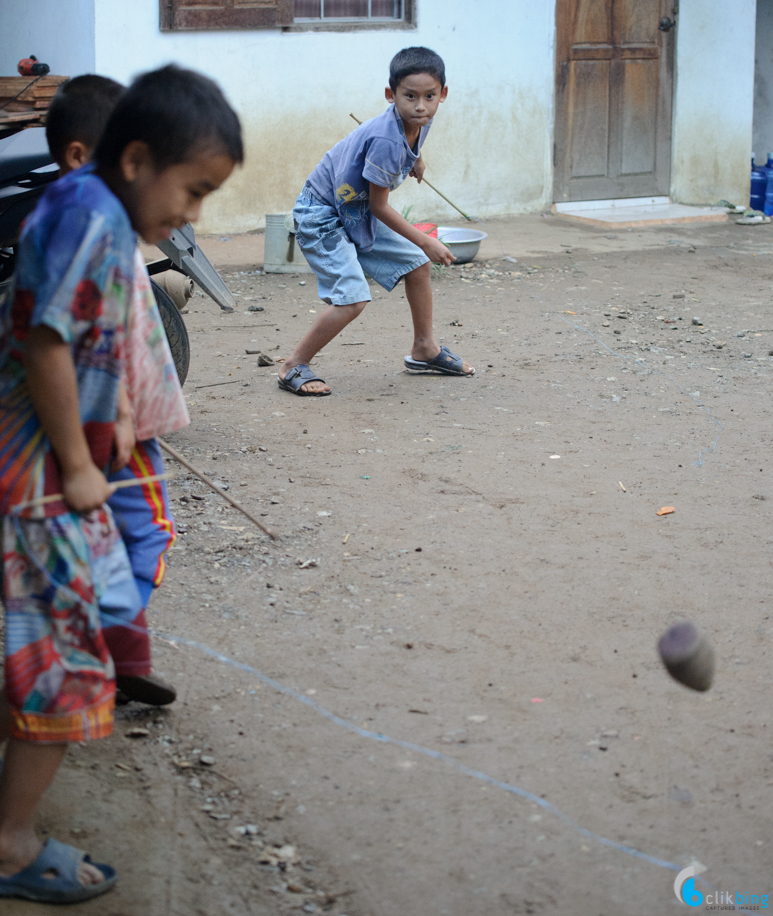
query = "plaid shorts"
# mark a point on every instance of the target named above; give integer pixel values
(59, 676)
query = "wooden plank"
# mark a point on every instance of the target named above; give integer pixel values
(607, 52)
(593, 21)
(20, 117)
(13, 84)
(590, 118)
(639, 79)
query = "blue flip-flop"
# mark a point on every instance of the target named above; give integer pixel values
(297, 377)
(62, 861)
(446, 362)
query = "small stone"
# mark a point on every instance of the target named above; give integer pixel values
(252, 352)
(720, 344)
(207, 760)
(697, 322)
(301, 283)
(264, 360)
(233, 844)
(254, 308)
(137, 733)
(678, 296)
(747, 356)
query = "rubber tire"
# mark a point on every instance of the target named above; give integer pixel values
(176, 332)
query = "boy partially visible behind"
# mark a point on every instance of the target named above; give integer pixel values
(76, 120)
(346, 227)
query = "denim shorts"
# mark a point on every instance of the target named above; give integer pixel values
(340, 266)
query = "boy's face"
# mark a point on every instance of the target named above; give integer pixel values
(417, 98)
(159, 201)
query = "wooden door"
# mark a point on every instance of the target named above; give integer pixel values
(613, 99)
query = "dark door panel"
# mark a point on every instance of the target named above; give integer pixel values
(613, 99)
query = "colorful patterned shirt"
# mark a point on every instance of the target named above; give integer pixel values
(153, 386)
(74, 275)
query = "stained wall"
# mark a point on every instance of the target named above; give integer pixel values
(713, 102)
(490, 146)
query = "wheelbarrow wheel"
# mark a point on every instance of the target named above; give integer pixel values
(176, 332)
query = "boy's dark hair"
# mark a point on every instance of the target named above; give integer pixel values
(79, 111)
(416, 60)
(177, 113)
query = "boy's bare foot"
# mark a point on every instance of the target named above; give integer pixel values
(311, 387)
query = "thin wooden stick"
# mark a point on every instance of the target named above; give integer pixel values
(429, 183)
(213, 486)
(118, 485)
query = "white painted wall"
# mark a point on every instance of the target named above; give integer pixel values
(58, 32)
(490, 146)
(763, 81)
(713, 103)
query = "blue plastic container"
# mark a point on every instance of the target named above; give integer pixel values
(768, 206)
(759, 188)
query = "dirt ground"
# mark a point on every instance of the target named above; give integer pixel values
(475, 569)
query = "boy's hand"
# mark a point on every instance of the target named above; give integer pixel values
(437, 252)
(124, 438)
(85, 489)
(417, 171)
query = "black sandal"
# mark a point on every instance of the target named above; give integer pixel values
(297, 377)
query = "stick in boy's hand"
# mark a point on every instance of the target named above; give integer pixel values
(118, 485)
(85, 489)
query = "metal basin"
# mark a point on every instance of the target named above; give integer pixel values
(462, 243)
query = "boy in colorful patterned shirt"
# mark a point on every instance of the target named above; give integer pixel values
(170, 141)
(75, 122)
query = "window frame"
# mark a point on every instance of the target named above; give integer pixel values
(357, 22)
(407, 23)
